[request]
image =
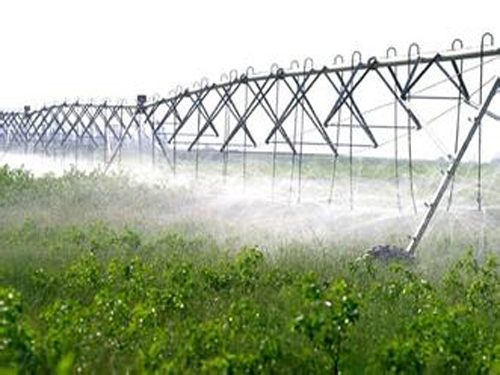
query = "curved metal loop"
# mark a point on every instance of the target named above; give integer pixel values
(155, 98)
(389, 50)
(250, 69)
(172, 93)
(294, 64)
(233, 75)
(455, 42)
(412, 47)
(274, 68)
(224, 77)
(308, 62)
(356, 54)
(483, 40)
(197, 85)
(179, 90)
(201, 84)
(204, 82)
(338, 58)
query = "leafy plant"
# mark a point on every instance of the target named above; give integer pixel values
(327, 318)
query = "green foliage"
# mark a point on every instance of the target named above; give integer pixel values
(14, 183)
(327, 317)
(248, 262)
(17, 342)
(119, 303)
(93, 298)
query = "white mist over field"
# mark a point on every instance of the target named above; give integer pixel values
(240, 212)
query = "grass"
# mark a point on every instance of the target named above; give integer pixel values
(91, 295)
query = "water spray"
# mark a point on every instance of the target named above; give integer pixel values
(394, 252)
(303, 126)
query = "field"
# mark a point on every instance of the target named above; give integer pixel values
(99, 274)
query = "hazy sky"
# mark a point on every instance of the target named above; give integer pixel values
(57, 49)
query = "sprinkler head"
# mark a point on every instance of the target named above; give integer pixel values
(387, 253)
(141, 100)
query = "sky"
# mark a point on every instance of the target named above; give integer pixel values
(56, 50)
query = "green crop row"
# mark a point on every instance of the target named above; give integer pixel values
(92, 297)
(94, 300)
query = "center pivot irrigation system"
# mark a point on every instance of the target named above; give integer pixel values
(338, 112)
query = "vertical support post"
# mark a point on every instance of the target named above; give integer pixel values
(245, 139)
(480, 132)
(197, 150)
(174, 148)
(27, 110)
(410, 153)
(77, 144)
(308, 65)
(458, 118)
(226, 150)
(294, 140)
(141, 108)
(2, 130)
(351, 135)
(153, 132)
(392, 52)
(122, 127)
(338, 59)
(301, 154)
(275, 141)
(105, 139)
